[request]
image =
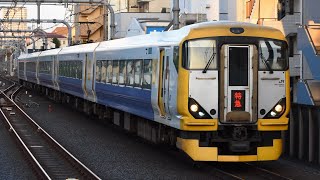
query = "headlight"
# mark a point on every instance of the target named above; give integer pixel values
(277, 110)
(197, 111)
(201, 114)
(194, 108)
(273, 114)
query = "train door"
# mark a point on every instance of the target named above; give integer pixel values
(89, 78)
(164, 84)
(239, 84)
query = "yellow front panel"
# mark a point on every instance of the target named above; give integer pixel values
(183, 77)
(191, 147)
(270, 153)
(231, 158)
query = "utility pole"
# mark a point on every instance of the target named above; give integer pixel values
(176, 10)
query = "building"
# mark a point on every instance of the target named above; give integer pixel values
(39, 41)
(89, 19)
(89, 24)
(63, 31)
(14, 13)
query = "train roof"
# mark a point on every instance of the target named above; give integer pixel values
(167, 38)
(50, 52)
(79, 48)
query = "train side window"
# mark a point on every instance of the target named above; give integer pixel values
(72, 69)
(137, 72)
(103, 71)
(130, 73)
(75, 69)
(109, 71)
(75, 66)
(67, 69)
(64, 68)
(176, 57)
(60, 68)
(115, 72)
(80, 69)
(49, 66)
(147, 73)
(122, 72)
(98, 71)
(40, 67)
(21, 66)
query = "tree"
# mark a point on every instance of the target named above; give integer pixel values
(56, 42)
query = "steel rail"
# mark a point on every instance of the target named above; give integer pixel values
(53, 140)
(82, 169)
(44, 173)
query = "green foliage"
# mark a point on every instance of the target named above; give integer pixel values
(57, 42)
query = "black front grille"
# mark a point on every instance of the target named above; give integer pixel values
(238, 66)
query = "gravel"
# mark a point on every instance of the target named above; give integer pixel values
(115, 154)
(12, 163)
(107, 151)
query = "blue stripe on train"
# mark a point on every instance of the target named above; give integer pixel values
(71, 86)
(31, 76)
(128, 99)
(46, 80)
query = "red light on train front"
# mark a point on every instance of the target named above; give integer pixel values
(238, 100)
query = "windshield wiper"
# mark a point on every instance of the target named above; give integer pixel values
(209, 62)
(265, 62)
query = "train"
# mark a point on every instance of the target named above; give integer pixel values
(218, 91)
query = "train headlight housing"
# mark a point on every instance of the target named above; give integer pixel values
(277, 110)
(197, 111)
(194, 108)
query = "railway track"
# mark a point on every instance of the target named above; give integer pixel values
(243, 170)
(48, 159)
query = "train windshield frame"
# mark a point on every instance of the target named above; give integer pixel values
(200, 54)
(273, 55)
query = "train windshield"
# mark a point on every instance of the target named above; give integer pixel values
(272, 55)
(200, 54)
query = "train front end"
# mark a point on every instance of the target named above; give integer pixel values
(233, 93)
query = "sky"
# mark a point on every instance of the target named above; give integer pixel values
(46, 12)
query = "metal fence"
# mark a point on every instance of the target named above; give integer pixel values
(302, 140)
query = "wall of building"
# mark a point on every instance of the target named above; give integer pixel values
(208, 7)
(14, 13)
(123, 21)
